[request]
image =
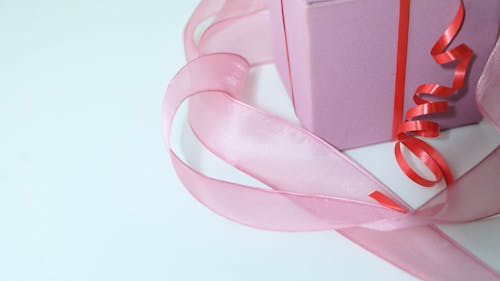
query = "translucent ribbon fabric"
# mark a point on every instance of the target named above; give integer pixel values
(313, 186)
(488, 97)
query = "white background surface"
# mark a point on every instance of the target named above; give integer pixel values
(87, 191)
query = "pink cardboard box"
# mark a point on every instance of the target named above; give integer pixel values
(341, 58)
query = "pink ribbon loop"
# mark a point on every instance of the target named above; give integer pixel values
(313, 186)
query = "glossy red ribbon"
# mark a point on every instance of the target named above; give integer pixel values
(413, 126)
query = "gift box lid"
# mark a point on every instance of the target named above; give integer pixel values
(343, 92)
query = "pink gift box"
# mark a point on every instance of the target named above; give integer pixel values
(337, 59)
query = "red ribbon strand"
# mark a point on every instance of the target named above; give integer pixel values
(399, 95)
(412, 126)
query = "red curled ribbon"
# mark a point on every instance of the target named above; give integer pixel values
(412, 126)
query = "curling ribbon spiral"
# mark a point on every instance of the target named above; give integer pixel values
(406, 133)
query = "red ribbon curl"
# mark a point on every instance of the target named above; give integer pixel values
(413, 126)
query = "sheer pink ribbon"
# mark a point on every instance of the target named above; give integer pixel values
(312, 185)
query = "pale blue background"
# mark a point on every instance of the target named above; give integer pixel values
(86, 187)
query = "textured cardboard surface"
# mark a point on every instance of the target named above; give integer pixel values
(342, 59)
